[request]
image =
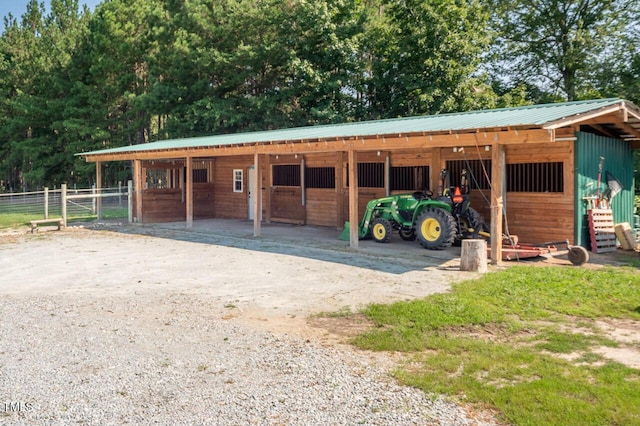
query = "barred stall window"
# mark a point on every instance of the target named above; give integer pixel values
(475, 173)
(200, 176)
(320, 177)
(286, 175)
(370, 175)
(535, 177)
(410, 178)
(202, 171)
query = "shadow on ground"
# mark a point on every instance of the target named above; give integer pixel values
(314, 242)
(322, 243)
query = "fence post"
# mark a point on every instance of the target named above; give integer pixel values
(98, 201)
(93, 200)
(130, 200)
(46, 202)
(119, 193)
(63, 194)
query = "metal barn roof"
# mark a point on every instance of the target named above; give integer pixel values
(545, 116)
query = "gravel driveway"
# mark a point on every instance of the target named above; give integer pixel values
(103, 327)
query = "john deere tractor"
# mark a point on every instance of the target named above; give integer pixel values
(436, 222)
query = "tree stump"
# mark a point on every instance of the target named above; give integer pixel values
(473, 256)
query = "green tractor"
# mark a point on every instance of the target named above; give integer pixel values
(437, 223)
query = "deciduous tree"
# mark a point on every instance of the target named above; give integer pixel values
(557, 45)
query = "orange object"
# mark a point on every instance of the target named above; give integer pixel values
(457, 195)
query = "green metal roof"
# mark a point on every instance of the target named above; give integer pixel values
(533, 116)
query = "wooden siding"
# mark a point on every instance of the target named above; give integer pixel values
(203, 200)
(286, 205)
(542, 217)
(538, 218)
(229, 204)
(162, 205)
(321, 207)
(410, 158)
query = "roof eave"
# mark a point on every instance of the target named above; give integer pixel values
(133, 153)
(582, 117)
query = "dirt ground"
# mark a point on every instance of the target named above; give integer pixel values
(272, 283)
(281, 282)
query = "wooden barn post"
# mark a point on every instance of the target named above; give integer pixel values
(353, 198)
(497, 202)
(436, 166)
(189, 192)
(257, 196)
(339, 178)
(266, 202)
(137, 186)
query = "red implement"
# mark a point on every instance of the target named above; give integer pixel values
(523, 251)
(577, 255)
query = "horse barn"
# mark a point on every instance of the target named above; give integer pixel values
(532, 169)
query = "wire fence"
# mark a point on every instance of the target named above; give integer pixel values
(81, 205)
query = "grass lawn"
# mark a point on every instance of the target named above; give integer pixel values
(10, 220)
(523, 342)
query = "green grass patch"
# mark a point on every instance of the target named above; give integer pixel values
(560, 342)
(12, 220)
(520, 341)
(116, 213)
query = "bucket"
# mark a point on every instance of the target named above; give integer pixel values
(345, 235)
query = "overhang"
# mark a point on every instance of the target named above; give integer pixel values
(534, 123)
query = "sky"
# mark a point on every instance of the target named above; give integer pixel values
(18, 7)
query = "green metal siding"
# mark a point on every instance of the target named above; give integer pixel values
(618, 160)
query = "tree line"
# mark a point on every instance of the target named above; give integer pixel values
(74, 80)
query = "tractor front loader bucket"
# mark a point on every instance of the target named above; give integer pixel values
(345, 234)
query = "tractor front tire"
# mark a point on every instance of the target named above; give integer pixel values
(436, 229)
(381, 230)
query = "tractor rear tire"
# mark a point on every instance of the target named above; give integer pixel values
(381, 230)
(436, 229)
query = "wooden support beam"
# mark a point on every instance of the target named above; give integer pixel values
(434, 171)
(267, 188)
(629, 129)
(387, 174)
(353, 199)
(189, 192)
(257, 196)
(339, 175)
(303, 187)
(498, 165)
(137, 186)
